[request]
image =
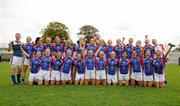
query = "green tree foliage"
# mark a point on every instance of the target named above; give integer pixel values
(55, 29)
(87, 31)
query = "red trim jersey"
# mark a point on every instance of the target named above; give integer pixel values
(101, 64)
(112, 66)
(67, 66)
(57, 64)
(80, 65)
(150, 48)
(129, 49)
(124, 66)
(90, 62)
(109, 49)
(119, 50)
(58, 47)
(91, 47)
(136, 64)
(159, 65)
(50, 47)
(46, 63)
(102, 48)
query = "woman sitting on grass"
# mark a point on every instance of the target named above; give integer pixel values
(101, 69)
(35, 65)
(79, 69)
(44, 73)
(136, 66)
(56, 68)
(147, 69)
(90, 68)
(124, 64)
(112, 69)
(66, 74)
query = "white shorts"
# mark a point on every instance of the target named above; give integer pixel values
(159, 77)
(16, 61)
(136, 76)
(79, 76)
(26, 61)
(147, 77)
(123, 77)
(112, 78)
(100, 74)
(55, 75)
(33, 76)
(65, 77)
(44, 75)
(90, 74)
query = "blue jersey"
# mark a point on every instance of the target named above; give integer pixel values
(35, 65)
(91, 47)
(57, 64)
(101, 64)
(16, 48)
(159, 65)
(80, 65)
(90, 63)
(69, 47)
(149, 48)
(28, 48)
(102, 48)
(148, 66)
(119, 50)
(38, 48)
(78, 49)
(49, 46)
(124, 66)
(136, 64)
(129, 50)
(112, 66)
(109, 49)
(46, 63)
(58, 48)
(68, 62)
(138, 50)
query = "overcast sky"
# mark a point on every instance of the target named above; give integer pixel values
(159, 19)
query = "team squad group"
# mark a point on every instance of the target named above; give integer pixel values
(90, 62)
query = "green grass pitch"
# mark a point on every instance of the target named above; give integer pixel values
(26, 95)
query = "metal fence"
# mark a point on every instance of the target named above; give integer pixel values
(174, 57)
(4, 54)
